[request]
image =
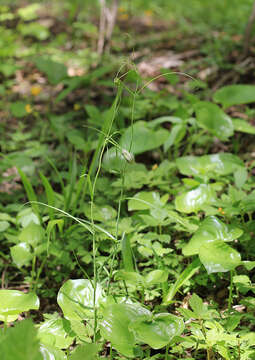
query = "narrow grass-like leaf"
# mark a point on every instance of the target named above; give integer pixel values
(184, 276)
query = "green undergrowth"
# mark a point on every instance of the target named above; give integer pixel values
(126, 214)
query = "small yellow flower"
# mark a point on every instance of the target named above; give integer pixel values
(155, 166)
(148, 13)
(121, 9)
(35, 90)
(76, 107)
(28, 108)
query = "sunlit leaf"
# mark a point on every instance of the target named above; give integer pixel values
(114, 326)
(157, 331)
(194, 200)
(211, 229)
(213, 119)
(76, 299)
(217, 256)
(14, 302)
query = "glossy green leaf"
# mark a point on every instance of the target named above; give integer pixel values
(156, 277)
(209, 165)
(14, 302)
(55, 72)
(217, 256)
(243, 126)
(235, 95)
(194, 200)
(53, 332)
(157, 331)
(26, 216)
(75, 298)
(88, 352)
(144, 200)
(115, 326)
(20, 342)
(213, 119)
(211, 229)
(50, 353)
(4, 225)
(32, 234)
(130, 277)
(21, 254)
(141, 138)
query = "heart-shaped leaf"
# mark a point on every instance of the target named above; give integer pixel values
(32, 234)
(145, 200)
(209, 165)
(53, 332)
(213, 119)
(217, 256)
(114, 326)
(75, 298)
(21, 254)
(211, 229)
(14, 302)
(194, 200)
(235, 95)
(141, 138)
(157, 331)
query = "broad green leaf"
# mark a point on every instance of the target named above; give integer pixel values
(53, 332)
(115, 326)
(102, 213)
(50, 353)
(39, 31)
(88, 352)
(190, 270)
(156, 277)
(235, 95)
(217, 256)
(243, 126)
(55, 72)
(113, 160)
(194, 200)
(20, 342)
(21, 254)
(75, 298)
(27, 216)
(157, 331)
(145, 200)
(18, 109)
(141, 138)
(214, 120)
(14, 302)
(211, 229)
(29, 12)
(209, 165)
(32, 234)
(4, 225)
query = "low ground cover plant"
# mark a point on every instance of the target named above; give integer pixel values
(127, 206)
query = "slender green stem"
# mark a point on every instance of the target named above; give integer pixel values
(230, 297)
